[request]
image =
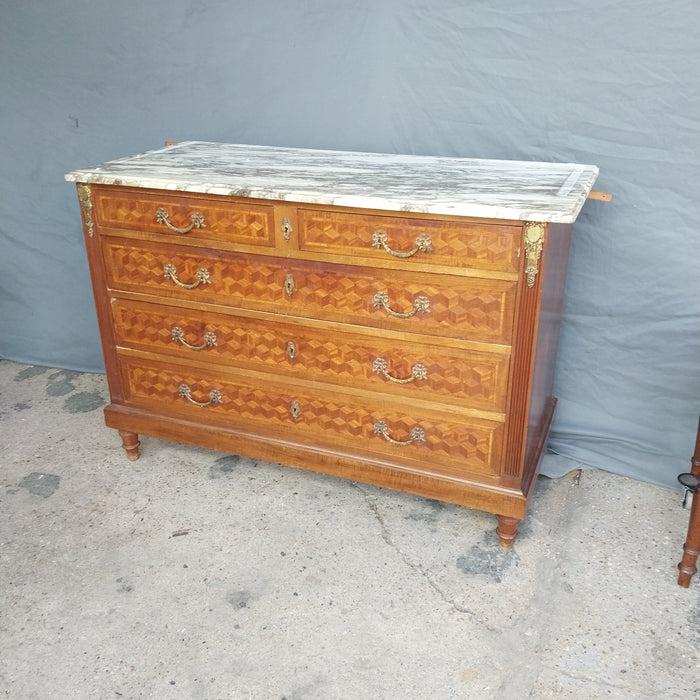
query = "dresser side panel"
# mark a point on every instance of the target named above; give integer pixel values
(553, 270)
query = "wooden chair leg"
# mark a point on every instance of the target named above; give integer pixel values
(691, 548)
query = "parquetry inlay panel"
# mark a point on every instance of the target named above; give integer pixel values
(472, 309)
(484, 246)
(467, 379)
(326, 418)
(248, 224)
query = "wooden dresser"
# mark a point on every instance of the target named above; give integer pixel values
(389, 319)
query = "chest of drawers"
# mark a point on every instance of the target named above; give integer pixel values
(392, 320)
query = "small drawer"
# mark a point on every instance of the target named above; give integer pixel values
(327, 353)
(485, 246)
(438, 305)
(443, 443)
(184, 217)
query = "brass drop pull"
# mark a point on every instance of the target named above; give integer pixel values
(295, 409)
(421, 305)
(196, 219)
(418, 371)
(178, 335)
(417, 434)
(291, 349)
(424, 244)
(289, 285)
(202, 275)
(215, 396)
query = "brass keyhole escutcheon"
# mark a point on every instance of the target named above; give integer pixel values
(289, 285)
(291, 349)
(295, 409)
(286, 228)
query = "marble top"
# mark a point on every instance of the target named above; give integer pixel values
(496, 189)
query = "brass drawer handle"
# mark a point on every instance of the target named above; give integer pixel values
(424, 244)
(215, 396)
(196, 218)
(417, 434)
(418, 371)
(178, 335)
(202, 275)
(421, 305)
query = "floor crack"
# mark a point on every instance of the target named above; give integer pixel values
(370, 500)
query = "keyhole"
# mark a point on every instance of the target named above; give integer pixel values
(286, 228)
(289, 285)
(295, 409)
(291, 349)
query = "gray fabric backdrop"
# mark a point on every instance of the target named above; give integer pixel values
(614, 84)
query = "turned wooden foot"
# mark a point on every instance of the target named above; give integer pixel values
(507, 531)
(130, 442)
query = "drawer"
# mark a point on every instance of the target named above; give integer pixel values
(442, 442)
(439, 305)
(318, 352)
(485, 246)
(184, 217)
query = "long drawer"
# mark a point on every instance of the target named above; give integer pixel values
(320, 352)
(263, 405)
(441, 305)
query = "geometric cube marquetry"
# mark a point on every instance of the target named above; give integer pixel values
(137, 210)
(471, 309)
(328, 418)
(464, 378)
(455, 244)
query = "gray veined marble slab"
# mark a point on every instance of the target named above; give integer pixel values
(500, 189)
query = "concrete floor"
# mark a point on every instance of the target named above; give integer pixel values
(194, 574)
